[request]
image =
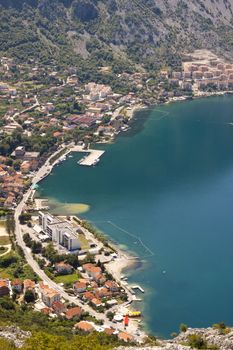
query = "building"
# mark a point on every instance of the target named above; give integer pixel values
(84, 326)
(112, 286)
(17, 285)
(79, 287)
(59, 307)
(29, 156)
(73, 312)
(125, 337)
(4, 288)
(92, 270)
(25, 167)
(63, 268)
(19, 152)
(29, 285)
(96, 302)
(48, 295)
(60, 231)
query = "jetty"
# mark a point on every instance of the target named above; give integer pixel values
(92, 158)
(139, 288)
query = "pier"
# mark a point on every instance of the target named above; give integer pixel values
(92, 158)
(139, 288)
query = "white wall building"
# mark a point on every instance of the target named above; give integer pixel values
(60, 231)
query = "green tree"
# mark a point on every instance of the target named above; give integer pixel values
(29, 296)
(24, 218)
(197, 342)
(183, 327)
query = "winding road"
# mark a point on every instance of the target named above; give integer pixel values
(42, 172)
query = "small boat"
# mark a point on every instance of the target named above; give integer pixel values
(135, 313)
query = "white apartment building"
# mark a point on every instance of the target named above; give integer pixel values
(60, 231)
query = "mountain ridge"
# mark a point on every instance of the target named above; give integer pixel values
(145, 32)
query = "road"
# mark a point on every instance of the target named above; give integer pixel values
(42, 172)
(28, 109)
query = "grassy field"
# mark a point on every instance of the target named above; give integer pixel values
(67, 278)
(83, 242)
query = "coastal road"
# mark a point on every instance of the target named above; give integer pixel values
(42, 172)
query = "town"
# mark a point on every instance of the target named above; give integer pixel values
(61, 265)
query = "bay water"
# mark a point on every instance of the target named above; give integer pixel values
(164, 191)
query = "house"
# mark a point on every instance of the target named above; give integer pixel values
(102, 292)
(125, 336)
(17, 285)
(84, 280)
(79, 287)
(84, 326)
(19, 152)
(30, 156)
(4, 288)
(58, 307)
(63, 268)
(29, 285)
(92, 271)
(109, 331)
(96, 302)
(25, 167)
(10, 201)
(88, 296)
(46, 311)
(73, 312)
(112, 286)
(48, 295)
(100, 279)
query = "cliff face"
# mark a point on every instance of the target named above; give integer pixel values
(142, 31)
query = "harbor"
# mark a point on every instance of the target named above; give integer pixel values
(91, 156)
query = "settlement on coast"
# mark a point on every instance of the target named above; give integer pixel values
(118, 261)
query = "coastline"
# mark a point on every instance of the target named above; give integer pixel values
(124, 260)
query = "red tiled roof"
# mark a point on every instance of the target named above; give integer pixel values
(125, 336)
(84, 326)
(75, 311)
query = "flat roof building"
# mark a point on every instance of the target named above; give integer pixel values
(60, 231)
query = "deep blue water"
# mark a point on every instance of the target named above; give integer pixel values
(169, 182)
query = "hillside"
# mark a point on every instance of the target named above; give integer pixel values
(114, 32)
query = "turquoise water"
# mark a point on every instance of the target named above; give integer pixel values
(165, 190)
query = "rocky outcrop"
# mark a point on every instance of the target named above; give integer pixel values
(15, 335)
(213, 338)
(211, 335)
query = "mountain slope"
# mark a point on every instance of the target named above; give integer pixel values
(149, 32)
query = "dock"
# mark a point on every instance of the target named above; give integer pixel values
(92, 158)
(139, 288)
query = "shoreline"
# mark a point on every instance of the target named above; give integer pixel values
(124, 260)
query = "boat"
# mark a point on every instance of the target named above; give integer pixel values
(135, 313)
